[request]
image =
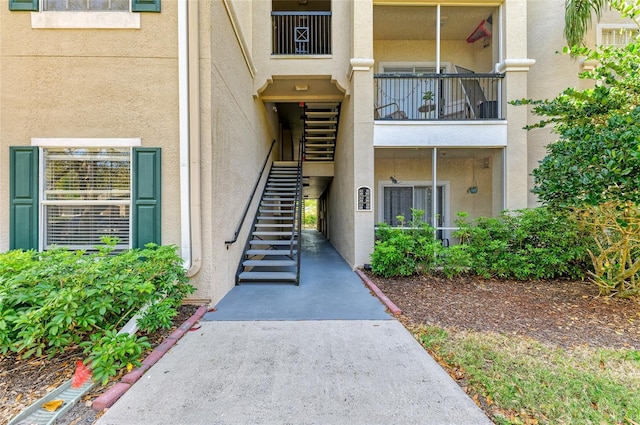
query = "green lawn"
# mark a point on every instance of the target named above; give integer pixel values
(522, 381)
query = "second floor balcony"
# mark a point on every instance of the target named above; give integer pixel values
(457, 96)
(301, 33)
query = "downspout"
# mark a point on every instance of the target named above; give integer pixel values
(189, 138)
(194, 138)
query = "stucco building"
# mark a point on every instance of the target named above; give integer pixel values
(152, 120)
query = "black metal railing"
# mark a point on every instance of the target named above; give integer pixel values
(298, 213)
(236, 233)
(438, 96)
(301, 33)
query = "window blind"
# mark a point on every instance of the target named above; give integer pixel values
(86, 195)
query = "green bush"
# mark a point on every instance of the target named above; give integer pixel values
(406, 250)
(526, 244)
(56, 299)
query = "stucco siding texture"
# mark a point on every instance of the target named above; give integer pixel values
(61, 83)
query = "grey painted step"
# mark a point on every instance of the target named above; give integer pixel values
(320, 130)
(269, 263)
(321, 114)
(274, 217)
(281, 205)
(321, 105)
(271, 242)
(320, 145)
(282, 183)
(271, 252)
(275, 214)
(326, 122)
(268, 276)
(270, 233)
(319, 159)
(270, 225)
(279, 211)
(321, 137)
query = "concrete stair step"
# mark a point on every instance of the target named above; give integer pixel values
(271, 252)
(272, 233)
(269, 263)
(273, 242)
(268, 276)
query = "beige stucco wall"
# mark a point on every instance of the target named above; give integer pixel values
(351, 231)
(455, 171)
(334, 65)
(91, 84)
(551, 74)
(237, 133)
(453, 52)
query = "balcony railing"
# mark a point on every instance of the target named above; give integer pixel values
(438, 96)
(301, 33)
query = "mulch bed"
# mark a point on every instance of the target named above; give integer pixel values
(23, 381)
(561, 312)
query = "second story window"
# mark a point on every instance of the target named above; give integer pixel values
(85, 5)
(617, 36)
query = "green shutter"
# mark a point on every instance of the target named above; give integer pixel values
(23, 191)
(28, 5)
(145, 5)
(146, 197)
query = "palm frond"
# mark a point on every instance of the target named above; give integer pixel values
(578, 17)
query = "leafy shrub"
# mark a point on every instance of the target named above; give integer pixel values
(526, 244)
(406, 250)
(59, 298)
(615, 228)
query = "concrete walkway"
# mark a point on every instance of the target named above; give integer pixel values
(298, 355)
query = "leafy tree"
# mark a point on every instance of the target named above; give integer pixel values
(593, 169)
(597, 155)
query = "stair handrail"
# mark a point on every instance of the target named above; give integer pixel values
(300, 202)
(230, 242)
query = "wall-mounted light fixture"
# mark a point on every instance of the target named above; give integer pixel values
(301, 87)
(473, 189)
(393, 180)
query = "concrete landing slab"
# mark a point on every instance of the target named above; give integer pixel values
(297, 372)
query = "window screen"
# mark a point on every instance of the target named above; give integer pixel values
(86, 195)
(86, 5)
(618, 37)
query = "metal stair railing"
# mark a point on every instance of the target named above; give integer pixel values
(233, 240)
(298, 213)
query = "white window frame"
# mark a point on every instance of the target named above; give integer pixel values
(602, 27)
(445, 228)
(54, 19)
(51, 143)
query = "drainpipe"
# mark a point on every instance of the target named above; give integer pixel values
(194, 139)
(189, 137)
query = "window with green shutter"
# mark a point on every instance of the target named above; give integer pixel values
(83, 194)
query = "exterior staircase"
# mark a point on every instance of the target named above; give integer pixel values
(272, 253)
(320, 130)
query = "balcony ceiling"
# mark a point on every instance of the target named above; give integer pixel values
(419, 22)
